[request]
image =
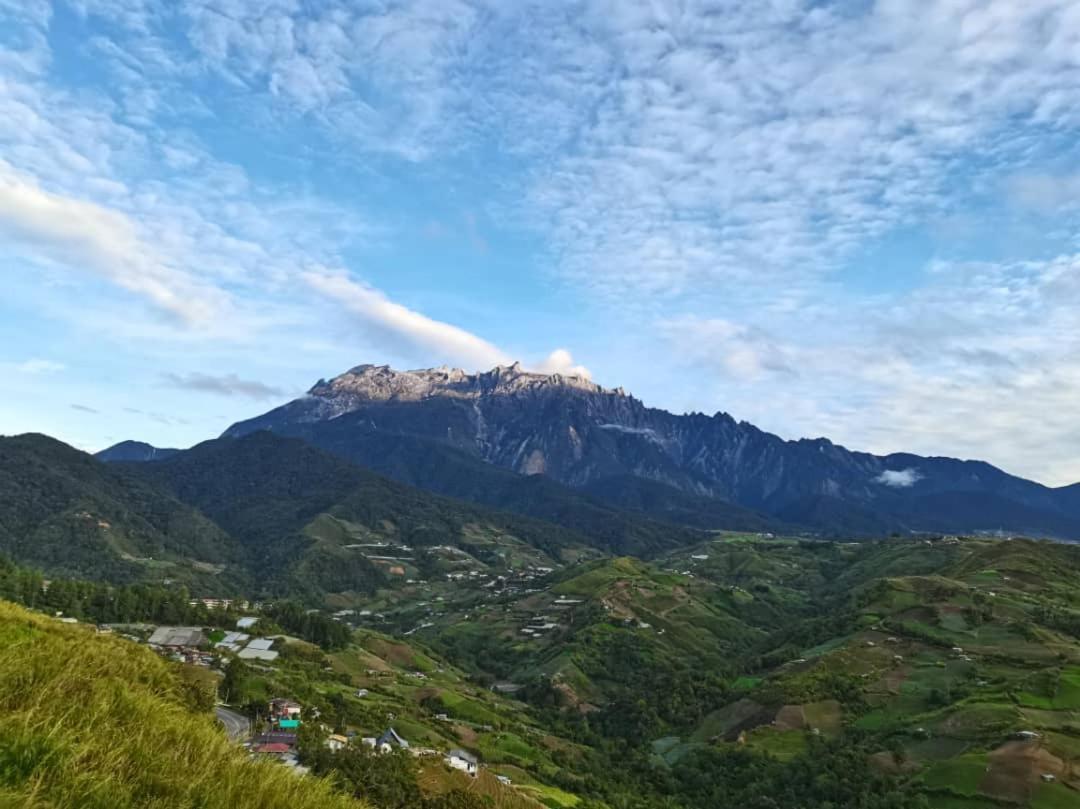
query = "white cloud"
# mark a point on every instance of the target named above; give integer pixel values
(426, 337)
(899, 478)
(417, 331)
(743, 352)
(81, 234)
(561, 361)
(39, 366)
(1047, 193)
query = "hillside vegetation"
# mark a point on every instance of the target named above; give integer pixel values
(91, 721)
(62, 510)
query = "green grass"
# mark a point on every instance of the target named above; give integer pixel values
(1054, 796)
(961, 775)
(784, 744)
(99, 723)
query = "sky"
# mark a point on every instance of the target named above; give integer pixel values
(858, 220)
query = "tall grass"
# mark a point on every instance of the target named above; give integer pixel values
(96, 722)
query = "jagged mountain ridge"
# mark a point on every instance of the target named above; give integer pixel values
(579, 433)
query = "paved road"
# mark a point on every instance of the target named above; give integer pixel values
(236, 725)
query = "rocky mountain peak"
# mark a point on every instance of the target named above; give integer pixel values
(381, 383)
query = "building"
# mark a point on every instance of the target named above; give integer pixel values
(258, 649)
(336, 742)
(389, 740)
(284, 709)
(462, 760)
(272, 749)
(275, 737)
(177, 637)
(246, 623)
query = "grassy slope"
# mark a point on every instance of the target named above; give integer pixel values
(91, 721)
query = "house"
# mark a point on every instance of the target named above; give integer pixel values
(275, 737)
(389, 740)
(284, 709)
(177, 636)
(259, 649)
(246, 623)
(1048, 778)
(368, 741)
(336, 742)
(257, 654)
(504, 780)
(462, 760)
(273, 749)
(214, 603)
(362, 692)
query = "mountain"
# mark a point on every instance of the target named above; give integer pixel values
(623, 515)
(64, 511)
(134, 451)
(575, 432)
(264, 486)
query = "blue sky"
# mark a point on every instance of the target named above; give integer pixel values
(851, 219)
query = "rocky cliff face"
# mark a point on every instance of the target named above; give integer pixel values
(578, 433)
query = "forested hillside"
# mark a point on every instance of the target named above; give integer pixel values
(70, 514)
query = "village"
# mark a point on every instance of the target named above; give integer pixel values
(275, 732)
(278, 739)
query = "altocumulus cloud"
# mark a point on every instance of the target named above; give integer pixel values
(226, 385)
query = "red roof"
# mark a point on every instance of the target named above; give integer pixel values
(276, 747)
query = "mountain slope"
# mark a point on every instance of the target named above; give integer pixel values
(578, 433)
(64, 511)
(284, 499)
(435, 466)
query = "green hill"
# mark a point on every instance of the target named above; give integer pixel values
(65, 512)
(92, 721)
(305, 517)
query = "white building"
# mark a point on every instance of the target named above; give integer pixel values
(461, 760)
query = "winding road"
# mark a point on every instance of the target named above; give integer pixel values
(236, 725)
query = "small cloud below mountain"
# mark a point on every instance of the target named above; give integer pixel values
(899, 478)
(226, 385)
